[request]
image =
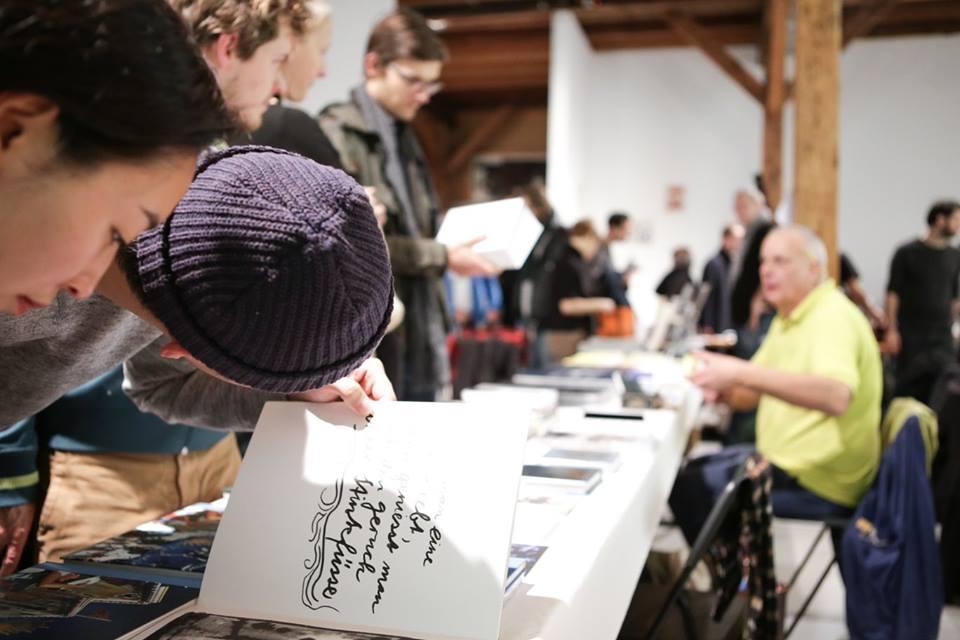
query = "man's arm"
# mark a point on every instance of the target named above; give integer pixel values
(416, 256)
(804, 390)
(177, 392)
(420, 256)
(891, 340)
(746, 381)
(586, 306)
(18, 491)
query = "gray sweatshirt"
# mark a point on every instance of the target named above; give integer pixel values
(50, 351)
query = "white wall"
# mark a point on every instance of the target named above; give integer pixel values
(660, 117)
(571, 68)
(899, 144)
(352, 22)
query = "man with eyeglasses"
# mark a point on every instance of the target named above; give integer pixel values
(377, 145)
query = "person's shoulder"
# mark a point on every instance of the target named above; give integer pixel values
(344, 114)
(837, 307)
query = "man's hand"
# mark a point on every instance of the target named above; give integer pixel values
(367, 383)
(892, 342)
(463, 260)
(379, 209)
(716, 374)
(15, 525)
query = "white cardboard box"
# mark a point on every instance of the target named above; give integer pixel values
(509, 228)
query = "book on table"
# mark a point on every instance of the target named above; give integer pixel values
(40, 603)
(341, 528)
(171, 549)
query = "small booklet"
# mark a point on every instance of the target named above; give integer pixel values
(508, 228)
(598, 457)
(575, 479)
(39, 603)
(174, 547)
(341, 528)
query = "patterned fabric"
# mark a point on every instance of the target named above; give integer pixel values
(742, 556)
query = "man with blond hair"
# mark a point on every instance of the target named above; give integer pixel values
(246, 42)
(816, 382)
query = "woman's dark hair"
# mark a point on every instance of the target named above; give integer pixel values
(405, 34)
(125, 74)
(941, 209)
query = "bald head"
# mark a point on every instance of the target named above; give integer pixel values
(793, 262)
(747, 206)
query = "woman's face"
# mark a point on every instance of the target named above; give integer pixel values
(308, 60)
(60, 226)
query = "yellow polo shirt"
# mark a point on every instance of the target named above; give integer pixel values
(834, 457)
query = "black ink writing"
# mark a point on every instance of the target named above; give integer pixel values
(395, 521)
(341, 545)
(375, 511)
(381, 585)
(416, 517)
(435, 537)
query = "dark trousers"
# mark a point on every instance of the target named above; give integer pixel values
(702, 480)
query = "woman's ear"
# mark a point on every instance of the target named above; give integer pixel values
(28, 131)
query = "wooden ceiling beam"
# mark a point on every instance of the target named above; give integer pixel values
(865, 20)
(715, 50)
(626, 38)
(474, 142)
(655, 9)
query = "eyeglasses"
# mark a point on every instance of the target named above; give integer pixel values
(415, 83)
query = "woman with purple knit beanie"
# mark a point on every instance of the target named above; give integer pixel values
(272, 273)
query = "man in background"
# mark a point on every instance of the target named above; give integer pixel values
(716, 317)
(372, 132)
(921, 304)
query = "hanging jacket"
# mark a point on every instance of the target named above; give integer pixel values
(890, 559)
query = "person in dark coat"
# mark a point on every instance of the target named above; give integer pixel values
(716, 316)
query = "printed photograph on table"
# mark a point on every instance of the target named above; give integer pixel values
(204, 626)
(178, 543)
(38, 603)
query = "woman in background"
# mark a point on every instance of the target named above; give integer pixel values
(576, 294)
(290, 128)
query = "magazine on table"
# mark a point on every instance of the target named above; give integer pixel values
(173, 549)
(39, 603)
(344, 528)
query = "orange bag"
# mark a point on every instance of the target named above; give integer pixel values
(618, 323)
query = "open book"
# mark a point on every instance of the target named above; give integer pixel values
(342, 529)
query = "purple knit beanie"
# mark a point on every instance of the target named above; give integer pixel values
(271, 271)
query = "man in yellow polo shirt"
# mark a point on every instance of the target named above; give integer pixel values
(816, 382)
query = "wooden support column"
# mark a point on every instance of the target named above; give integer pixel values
(817, 89)
(774, 98)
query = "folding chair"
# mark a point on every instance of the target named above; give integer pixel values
(726, 503)
(829, 526)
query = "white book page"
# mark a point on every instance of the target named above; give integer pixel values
(508, 227)
(401, 526)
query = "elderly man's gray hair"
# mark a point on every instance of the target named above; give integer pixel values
(813, 246)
